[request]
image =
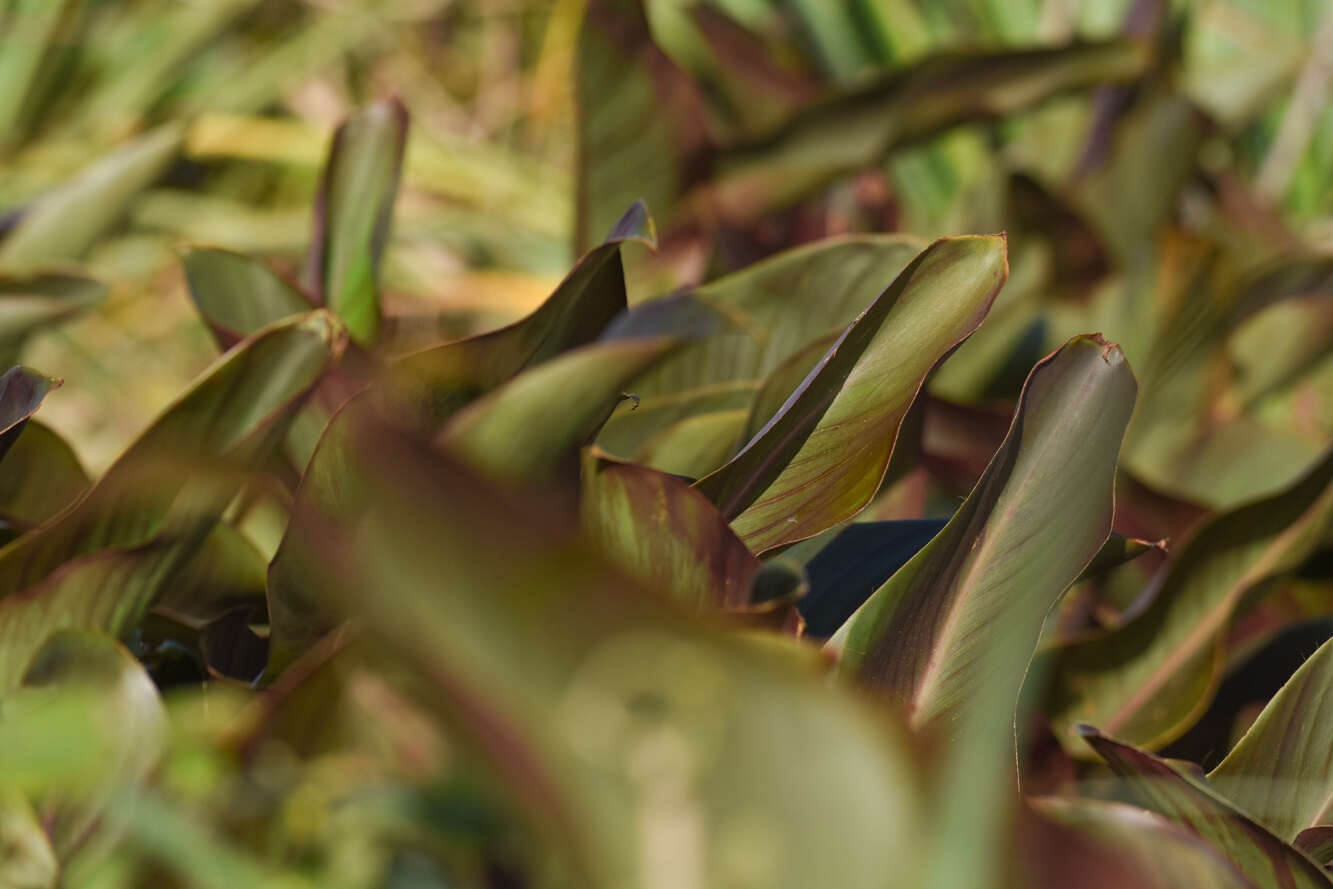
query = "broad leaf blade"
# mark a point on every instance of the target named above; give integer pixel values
(821, 459)
(1280, 772)
(1263, 857)
(524, 428)
(664, 534)
(353, 213)
(1150, 679)
(236, 294)
(968, 608)
(39, 477)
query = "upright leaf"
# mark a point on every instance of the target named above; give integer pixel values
(434, 383)
(353, 213)
(1149, 680)
(1280, 772)
(641, 130)
(237, 295)
(1263, 857)
(664, 534)
(822, 457)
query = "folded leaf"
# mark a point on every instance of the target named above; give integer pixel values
(353, 213)
(823, 456)
(237, 295)
(664, 534)
(1149, 680)
(21, 393)
(968, 607)
(1263, 857)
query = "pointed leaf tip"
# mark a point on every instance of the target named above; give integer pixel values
(635, 225)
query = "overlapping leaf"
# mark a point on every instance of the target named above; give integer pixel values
(1149, 680)
(1262, 856)
(237, 295)
(822, 457)
(21, 393)
(664, 533)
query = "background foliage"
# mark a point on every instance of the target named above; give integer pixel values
(610, 443)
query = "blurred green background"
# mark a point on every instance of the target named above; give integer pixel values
(484, 220)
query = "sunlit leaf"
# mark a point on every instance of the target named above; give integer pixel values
(821, 459)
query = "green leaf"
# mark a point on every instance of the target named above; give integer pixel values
(696, 445)
(778, 305)
(821, 459)
(434, 383)
(353, 213)
(30, 302)
(21, 393)
(641, 129)
(128, 718)
(1263, 857)
(236, 295)
(588, 698)
(39, 477)
(102, 563)
(524, 428)
(1151, 679)
(1279, 772)
(64, 223)
(855, 130)
(634, 424)
(932, 636)
(29, 860)
(664, 534)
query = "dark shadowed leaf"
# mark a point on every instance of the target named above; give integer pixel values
(1149, 680)
(665, 534)
(30, 302)
(1263, 857)
(21, 393)
(823, 456)
(353, 212)
(236, 294)
(1317, 842)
